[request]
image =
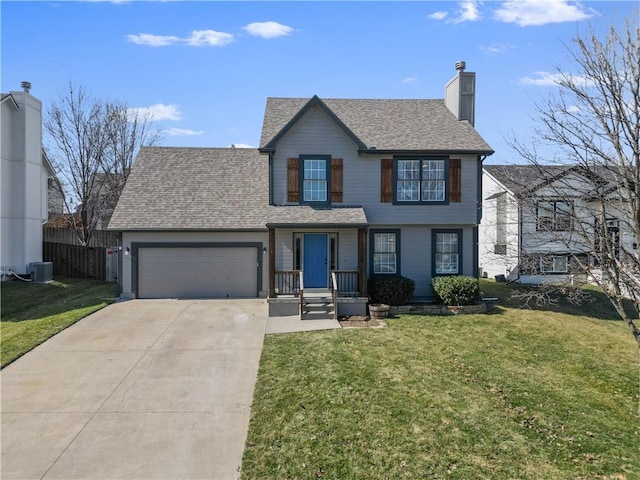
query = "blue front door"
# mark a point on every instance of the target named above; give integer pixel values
(315, 260)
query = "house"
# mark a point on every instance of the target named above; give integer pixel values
(540, 223)
(25, 174)
(340, 190)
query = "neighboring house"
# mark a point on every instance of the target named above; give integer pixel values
(25, 173)
(355, 187)
(104, 197)
(55, 193)
(540, 226)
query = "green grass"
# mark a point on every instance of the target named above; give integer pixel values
(32, 313)
(520, 394)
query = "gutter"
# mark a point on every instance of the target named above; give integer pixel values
(449, 152)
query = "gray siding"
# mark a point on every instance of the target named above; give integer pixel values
(416, 253)
(347, 247)
(315, 133)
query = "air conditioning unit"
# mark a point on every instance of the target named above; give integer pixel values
(41, 272)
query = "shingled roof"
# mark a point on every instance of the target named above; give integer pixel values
(294, 215)
(523, 178)
(173, 188)
(386, 124)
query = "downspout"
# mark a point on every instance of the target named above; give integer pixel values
(270, 178)
(476, 229)
(519, 239)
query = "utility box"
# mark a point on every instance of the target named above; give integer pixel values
(41, 272)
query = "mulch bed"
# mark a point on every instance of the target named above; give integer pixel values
(358, 321)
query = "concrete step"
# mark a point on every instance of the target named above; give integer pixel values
(317, 315)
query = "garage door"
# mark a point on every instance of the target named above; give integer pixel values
(171, 272)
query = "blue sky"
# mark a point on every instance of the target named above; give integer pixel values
(205, 69)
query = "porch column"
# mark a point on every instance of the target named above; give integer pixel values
(272, 263)
(362, 261)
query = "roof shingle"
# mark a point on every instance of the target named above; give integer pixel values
(386, 124)
(290, 215)
(173, 188)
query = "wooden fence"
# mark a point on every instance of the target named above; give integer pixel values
(75, 261)
(99, 238)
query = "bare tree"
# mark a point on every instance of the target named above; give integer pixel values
(93, 144)
(593, 121)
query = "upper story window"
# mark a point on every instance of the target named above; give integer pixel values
(314, 180)
(554, 216)
(418, 181)
(421, 181)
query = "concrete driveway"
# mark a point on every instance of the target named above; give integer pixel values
(144, 389)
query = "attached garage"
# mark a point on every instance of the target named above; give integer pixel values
(197, 270)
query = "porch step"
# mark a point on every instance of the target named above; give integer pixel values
(317, 306)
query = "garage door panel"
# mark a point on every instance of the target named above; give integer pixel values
(169, 272)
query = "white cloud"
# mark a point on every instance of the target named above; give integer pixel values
(496, 48)
(573, 109)
(409, 79)
(267, 29)
(240, 145)
(541, 79)
(546, 79)
(541, 12)
(198, 38)
(210, 38)
(438, 15)
(468, 12)
(182, 132)
(153, 40)
(159, 111)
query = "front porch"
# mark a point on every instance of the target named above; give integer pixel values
(346, 295)
(317, 270)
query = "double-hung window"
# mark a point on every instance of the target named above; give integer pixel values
(385, 252)
(554, 216)
(315, 178)
(553, 264)
(447, 252)
(421, 181)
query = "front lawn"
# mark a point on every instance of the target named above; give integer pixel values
(526, 394)
(32, 312)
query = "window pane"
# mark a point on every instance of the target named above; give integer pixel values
(559, 264)
(315, 169)
(408, 170)
(408, 191)
(446, 263)
(563, 216)
(433, 170)
(385, 243)
(447, 242)
(314, 185)
(315, 191)
(432, 191)
(447, 255)
(384, 263)
(384, 253)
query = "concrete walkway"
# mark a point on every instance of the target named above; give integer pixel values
(293, 323)
(145, 389)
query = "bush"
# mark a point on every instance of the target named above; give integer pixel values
(457, 290)
(391, 290)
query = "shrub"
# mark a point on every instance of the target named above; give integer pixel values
(391, 290)
(457, 290)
